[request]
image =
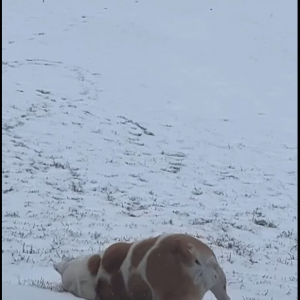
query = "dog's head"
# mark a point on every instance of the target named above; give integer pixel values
(197, 259)
(201, 265)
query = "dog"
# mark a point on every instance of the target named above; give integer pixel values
(79, 275)
(166, 267)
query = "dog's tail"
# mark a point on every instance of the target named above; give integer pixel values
(61, 266)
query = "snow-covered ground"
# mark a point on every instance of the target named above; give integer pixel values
(124, 119)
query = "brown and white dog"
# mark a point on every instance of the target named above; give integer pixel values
(79, 275)
(166, 267)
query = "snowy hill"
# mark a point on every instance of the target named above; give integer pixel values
(125, 119)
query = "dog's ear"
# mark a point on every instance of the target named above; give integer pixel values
(183, 249)
(94, 264)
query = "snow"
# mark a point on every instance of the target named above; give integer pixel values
(125, 119)
(14, 292)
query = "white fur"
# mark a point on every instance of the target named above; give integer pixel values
(125, 268)
(76, 277)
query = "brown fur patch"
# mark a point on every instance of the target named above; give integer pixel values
(114, 256)
(184, 243)
(138, 288)
(165, 271)
(94, 264)
(115, 290)
(181, 248)
(141, 249)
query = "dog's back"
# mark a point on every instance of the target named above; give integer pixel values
(167, 267)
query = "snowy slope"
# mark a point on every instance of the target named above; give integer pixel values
(124, 119)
